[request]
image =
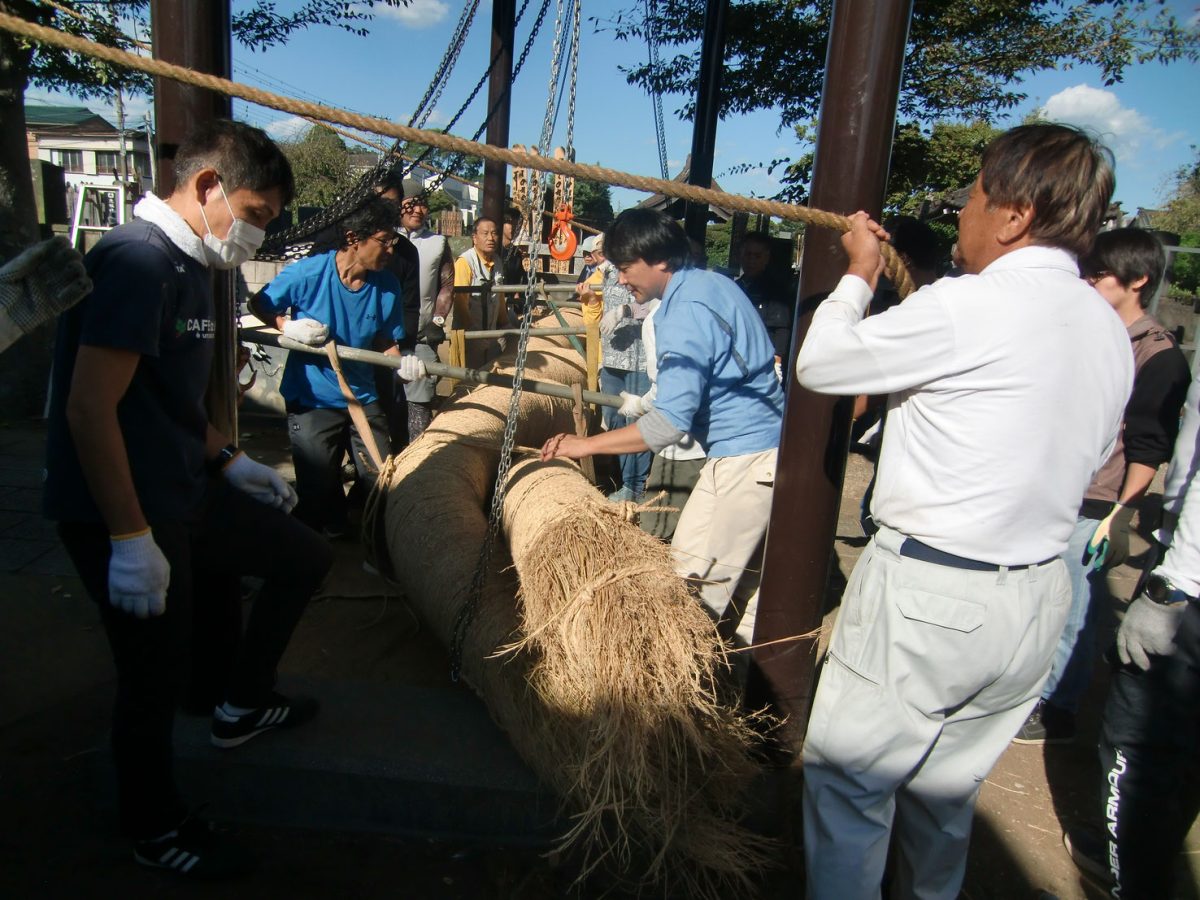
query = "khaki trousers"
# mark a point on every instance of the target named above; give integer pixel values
(718, 542)
(931, 671)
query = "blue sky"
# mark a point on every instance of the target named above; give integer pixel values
(1150, 120)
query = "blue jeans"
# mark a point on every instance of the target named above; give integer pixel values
(1073, 657)
(634, 466)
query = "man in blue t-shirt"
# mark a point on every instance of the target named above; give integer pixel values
(716, 382)
(347, 297)
(159, 511)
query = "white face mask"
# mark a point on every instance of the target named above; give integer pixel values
(235, 248)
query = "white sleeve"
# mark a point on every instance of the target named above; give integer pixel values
(1184, 461)
(845, 354)
(1181, 565)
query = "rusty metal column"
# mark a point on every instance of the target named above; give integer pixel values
(495, 174)
(197, 35)
(854, 140)
(708, 113)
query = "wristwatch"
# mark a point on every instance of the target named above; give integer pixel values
(439, 321)
(223, 458)
(1160, 590)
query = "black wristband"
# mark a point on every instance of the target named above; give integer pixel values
(223, 458)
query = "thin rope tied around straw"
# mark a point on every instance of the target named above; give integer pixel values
(893, 266)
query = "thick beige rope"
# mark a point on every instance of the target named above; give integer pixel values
(892, 264)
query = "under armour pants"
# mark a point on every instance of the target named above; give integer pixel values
(1149, 738)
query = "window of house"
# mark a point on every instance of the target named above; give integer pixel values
(107, 162)
(71, 160)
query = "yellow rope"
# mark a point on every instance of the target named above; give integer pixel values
(892, 264)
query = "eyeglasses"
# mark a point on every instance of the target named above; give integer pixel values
(388, 244)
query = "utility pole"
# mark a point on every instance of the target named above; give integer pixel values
(854, 140)
(150, 149)
(121, 152)
(708, 113)
(495, 174)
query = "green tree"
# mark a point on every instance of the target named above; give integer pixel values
(928, 164)
(321, 164)
(462, 165)
(439, 201)
(1181, 216)
(593, 203)
(965, 60)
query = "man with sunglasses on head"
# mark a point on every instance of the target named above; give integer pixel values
(435, 299)
(1125, 266)
(345, 295)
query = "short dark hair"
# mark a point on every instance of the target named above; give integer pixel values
(757, 237)
(475, 225)
(650, 236)
(916, 240)
(373, 215)
(512, 216)
(1064, 175)
(243, 156)
(1127, 254)
(391, 179)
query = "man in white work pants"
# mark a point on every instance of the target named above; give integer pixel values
(952, 660)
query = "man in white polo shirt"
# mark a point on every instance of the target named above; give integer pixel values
(1007, 386)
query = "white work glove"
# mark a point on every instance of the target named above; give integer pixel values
(610, 320)
(261, 482)
(411, 369)
(1148, 629)
(37, 285)
(633, 406)
(306, 331)
(138, 575)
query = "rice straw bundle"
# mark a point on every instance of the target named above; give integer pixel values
(603, 670)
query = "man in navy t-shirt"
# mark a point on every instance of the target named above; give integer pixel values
(158, 510)
(346, 296)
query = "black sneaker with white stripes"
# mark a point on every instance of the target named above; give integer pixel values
(280, 712)
(195, 851)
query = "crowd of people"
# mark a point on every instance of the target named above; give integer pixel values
(1030, 399)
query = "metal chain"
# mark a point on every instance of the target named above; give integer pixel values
(466, 614)
(569, 193)
(655, 94)
(288, 243)
(456, 160)
(449, 59)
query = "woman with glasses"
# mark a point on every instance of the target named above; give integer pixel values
(345, 296)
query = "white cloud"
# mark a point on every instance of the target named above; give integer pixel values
(1125, 131)
(287, 129)
(416, 13)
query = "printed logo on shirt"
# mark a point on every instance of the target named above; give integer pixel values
(200, 329)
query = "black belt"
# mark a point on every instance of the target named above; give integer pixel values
(914, 549)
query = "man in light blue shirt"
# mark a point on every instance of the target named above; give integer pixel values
(717, 383)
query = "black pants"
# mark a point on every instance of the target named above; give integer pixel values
(319, 440)
(1149, 738)
(199, 634)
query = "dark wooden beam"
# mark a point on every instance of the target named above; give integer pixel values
(854, 140)
(495, 174)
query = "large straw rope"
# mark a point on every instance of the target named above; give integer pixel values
(893, 266)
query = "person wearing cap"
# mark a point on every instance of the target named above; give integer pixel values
(436, 299)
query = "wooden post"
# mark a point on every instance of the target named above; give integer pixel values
(708, 113)
(858, 113)
(499, 102)
(197, 35)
